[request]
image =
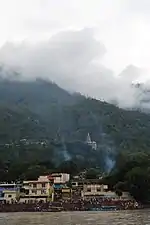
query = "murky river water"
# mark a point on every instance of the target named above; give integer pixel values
(76, 218)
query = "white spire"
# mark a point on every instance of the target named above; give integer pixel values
(90, 142)
(88, 139)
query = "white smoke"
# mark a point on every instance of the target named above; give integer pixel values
(72, 59)
(109, 163)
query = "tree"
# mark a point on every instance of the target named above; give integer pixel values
(133, 175)
(68, 167)
(119, 192)
(92, 173)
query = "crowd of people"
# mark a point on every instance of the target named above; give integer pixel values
(77, 204)
(98, 203)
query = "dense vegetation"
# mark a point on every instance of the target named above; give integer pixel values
(132, 173)
(43, 128)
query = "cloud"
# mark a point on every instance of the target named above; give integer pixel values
(122, 25)
(73, 59)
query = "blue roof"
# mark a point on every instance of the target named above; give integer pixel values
(58, 186)
(9, 189)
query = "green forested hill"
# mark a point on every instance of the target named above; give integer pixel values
(40, 111)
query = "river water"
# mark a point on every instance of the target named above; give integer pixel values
(141, 217)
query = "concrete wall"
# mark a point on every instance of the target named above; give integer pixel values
(94, 188)
(61, 177)
(35, 198)
(126, 196)
(106, 194)
(30, 199)
(10, 196)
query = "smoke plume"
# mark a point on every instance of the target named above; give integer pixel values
(109, 163)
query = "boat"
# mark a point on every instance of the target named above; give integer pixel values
(55, 209)
(104, 208)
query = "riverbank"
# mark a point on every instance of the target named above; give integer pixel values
(69, 206)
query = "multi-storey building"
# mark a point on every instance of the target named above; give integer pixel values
(101, 191)
(38, 190)
(44, 188)
(91, 190)
(60, 185)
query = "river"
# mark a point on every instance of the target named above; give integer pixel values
(139, 217)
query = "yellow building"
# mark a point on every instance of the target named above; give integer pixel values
(11, 196)
(66, 193)
(9, 192)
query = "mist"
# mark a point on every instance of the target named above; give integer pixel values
(73, 60)
(109, 164)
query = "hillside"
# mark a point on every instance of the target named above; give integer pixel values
(48, 109)
(54, 124)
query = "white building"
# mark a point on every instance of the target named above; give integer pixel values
(60, 178)
(101, 190)
(91, 143)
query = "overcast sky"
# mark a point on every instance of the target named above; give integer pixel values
(122, 25)
(111, 33)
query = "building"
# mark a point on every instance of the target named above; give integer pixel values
(60, 185)
(79, 183)
(9, 192)
(95, 190)
(44, 188)
(60, 178)
(77, 187)
(38, 190)
(66, 193)
(88, 189)
(11, 196)
(102, 191)
(91, 143)
(126, 196)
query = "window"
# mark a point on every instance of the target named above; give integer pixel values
(34, 192)
(34, 185)
(98, 189)
(43, 185)
(26, 192)
(9, 196)
(43, 191)
(89, 189)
